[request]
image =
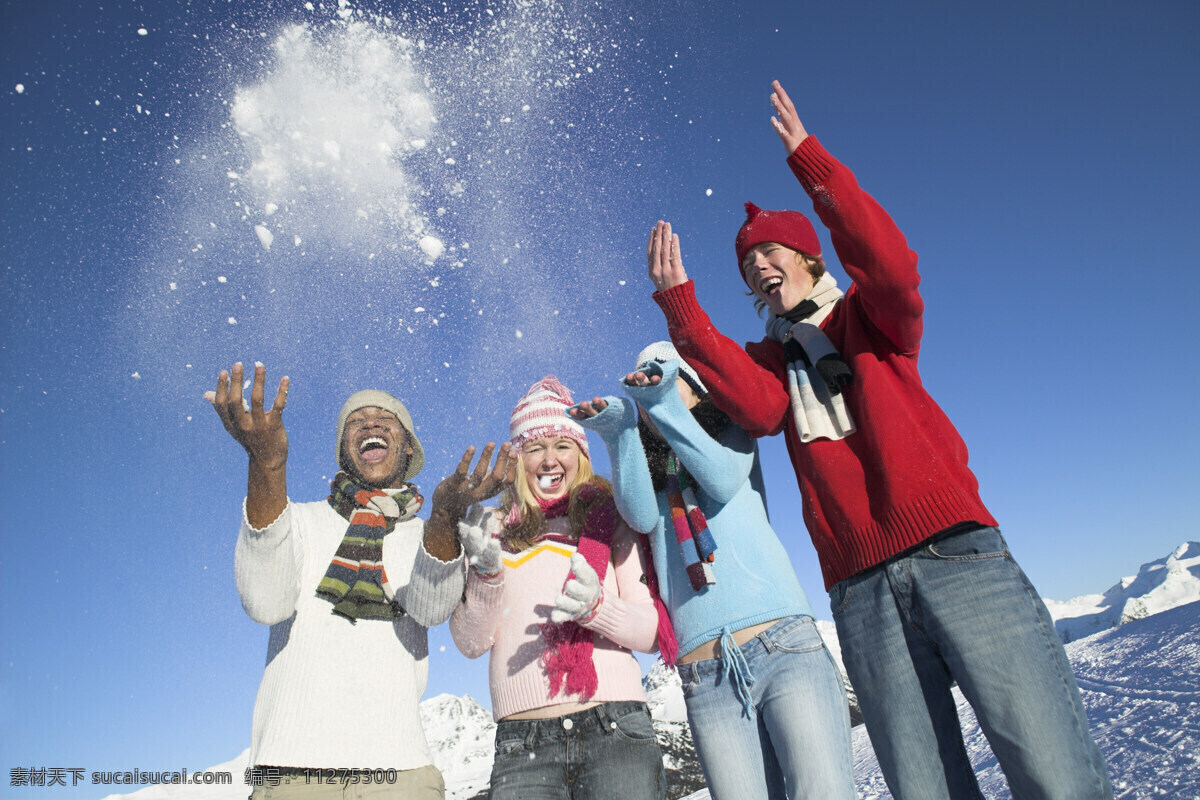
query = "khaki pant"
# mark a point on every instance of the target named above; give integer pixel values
(424, 783)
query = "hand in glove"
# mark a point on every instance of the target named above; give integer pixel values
(581, 596)
(479, 534)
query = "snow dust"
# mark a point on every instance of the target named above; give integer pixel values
(354, 167)
(328, 130)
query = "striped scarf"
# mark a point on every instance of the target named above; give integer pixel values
(817, 372)
(356, 582)
(696, 544)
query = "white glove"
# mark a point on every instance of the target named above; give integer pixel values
(581, 595)
(479, 534)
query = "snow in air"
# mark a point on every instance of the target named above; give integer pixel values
(328, 131)
(432, 247)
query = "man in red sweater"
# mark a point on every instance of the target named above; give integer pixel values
(922, 586)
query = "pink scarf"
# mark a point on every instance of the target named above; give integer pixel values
(569, 646)
(568, 655)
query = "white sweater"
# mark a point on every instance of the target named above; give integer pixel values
(336, 694)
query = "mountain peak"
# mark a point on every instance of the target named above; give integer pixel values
(1158, 585)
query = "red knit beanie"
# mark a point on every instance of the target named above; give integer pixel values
(789, 228)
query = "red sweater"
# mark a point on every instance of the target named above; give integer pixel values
(902, 476)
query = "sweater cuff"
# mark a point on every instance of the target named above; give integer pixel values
(616, 417)
(435, 588)
(274, 532)
(484, 593)
(679, 305)
(811, 164)
(611, 619)
(655, 393)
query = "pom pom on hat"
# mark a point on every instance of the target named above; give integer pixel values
(542, 412)
(788, 228)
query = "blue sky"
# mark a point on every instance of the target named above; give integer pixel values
(1040, 157)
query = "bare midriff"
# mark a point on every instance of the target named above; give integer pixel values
(550, 712)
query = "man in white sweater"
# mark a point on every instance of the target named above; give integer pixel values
(349, 586)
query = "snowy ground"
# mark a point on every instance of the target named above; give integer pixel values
(1141, 687)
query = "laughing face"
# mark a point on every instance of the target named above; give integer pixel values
(777, 276)
(376, 448)
(550, 464)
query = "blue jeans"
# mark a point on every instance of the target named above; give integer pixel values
(794, 740)
(604, 753)
(960, 609)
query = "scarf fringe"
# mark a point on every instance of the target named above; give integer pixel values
(567, 659)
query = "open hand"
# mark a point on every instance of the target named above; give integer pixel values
(786, 122)
(663, 259)
(640, 378)
(260, 433)
(465, 487)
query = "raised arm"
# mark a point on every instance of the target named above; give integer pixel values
(268, 559)
(463, 488)
(615, 420)
(261, 434)
(719, 471)
(752, 395)
(868, 242)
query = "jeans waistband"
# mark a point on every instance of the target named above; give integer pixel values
(946, 533)
(599, 718)
(759, 643)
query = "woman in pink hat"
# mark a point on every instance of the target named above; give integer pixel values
(556, 592)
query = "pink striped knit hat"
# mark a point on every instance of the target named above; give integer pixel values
(542, 412)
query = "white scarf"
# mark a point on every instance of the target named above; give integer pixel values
(818, 409)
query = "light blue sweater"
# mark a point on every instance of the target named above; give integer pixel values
(755, 582)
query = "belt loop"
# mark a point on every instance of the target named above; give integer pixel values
(531, 738)
(603, 716)
(688, 673)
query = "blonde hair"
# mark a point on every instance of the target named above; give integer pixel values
(533, 521)
(813, 265)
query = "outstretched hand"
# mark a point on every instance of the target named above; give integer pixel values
(786, 122)
(464, 487)
(640, 378)
(588, 408)
(662, 258)
(461, 489)
(260, 433)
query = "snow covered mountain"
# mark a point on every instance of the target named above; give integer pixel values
(462, 738)
(1136, 653)
(1160, 585)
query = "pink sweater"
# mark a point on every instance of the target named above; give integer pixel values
(506, 618)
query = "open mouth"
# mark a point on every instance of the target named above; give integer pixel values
(373, 449)
(550, 483)
(770, 285)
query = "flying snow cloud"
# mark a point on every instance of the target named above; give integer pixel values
(329, 131)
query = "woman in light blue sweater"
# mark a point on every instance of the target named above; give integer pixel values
(764, 699)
